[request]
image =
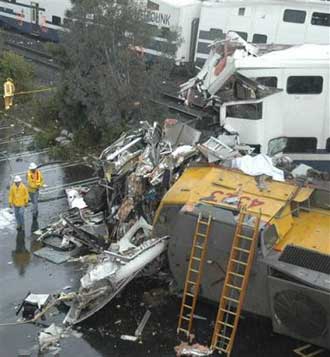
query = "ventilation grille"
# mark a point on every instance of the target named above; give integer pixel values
(306, 258)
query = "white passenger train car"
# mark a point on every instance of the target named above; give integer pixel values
(172, 15)
(300, 112)
(289, 22)
(42, 18)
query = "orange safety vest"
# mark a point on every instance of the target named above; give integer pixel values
(34, 180)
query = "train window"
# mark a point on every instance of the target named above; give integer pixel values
(164, 32)
(162, 46)
(267, 81)
(245, 111)
(152, 6)
(277, 145)
(304, 85)
(56, 20)
(203, 48)
(320, 19)
(294, 16)
(200, 62)
(258, 38)
(300, 145)
(241, 11)
(244, 35)
(327, 146)
(213, 34)
(216, 34)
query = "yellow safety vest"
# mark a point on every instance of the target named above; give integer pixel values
(34, 180)
(18, 195)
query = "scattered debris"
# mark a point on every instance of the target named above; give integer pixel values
(129, 338)
(50, 337)
(142, 324)
(184, 349)
(32, 304)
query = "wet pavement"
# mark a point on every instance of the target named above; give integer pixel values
(21, 272)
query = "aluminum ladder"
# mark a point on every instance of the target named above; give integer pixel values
(194, 273)
(236, 282)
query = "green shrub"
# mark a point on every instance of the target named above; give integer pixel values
(15, 67)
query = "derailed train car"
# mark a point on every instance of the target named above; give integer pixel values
(43, 19)
(289, 281)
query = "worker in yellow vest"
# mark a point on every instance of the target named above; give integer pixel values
(35, 181)
(18, 199)
(8, 93)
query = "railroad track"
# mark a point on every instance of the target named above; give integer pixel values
(33, 55)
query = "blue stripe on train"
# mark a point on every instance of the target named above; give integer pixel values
(26, 27)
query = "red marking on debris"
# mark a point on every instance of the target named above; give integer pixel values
(255, 203)
(169, 122)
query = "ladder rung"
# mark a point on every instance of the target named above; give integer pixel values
(198, 246)
(182, 329)
(225, 324)
(195, 258)
(222, 336)
(221, 349)
(236, 274)
(204, 222)
(187, 306)
(238, 262)
(242, 250)
(230, 299)
(228, 311)
(244, 237)
(185, 318)
(201, 234)
(194, 270)
(234, 287)
(189, 294)
(191, 282)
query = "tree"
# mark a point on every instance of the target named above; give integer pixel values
(106, 81)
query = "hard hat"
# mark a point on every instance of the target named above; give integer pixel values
(32, 166)
(17, 179)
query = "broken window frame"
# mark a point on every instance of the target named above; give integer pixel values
(258, 109)
(242, 34)
(277, 145)
(270, 81)
(320, 19)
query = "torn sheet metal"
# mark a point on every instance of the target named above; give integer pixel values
(115, 269)
(258, 165)
(178, 133)
(118, 266)
(52, 255)
(214, 150)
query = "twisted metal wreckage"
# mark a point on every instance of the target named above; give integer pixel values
(114, 218)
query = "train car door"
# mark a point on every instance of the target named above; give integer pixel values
(35, 16)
